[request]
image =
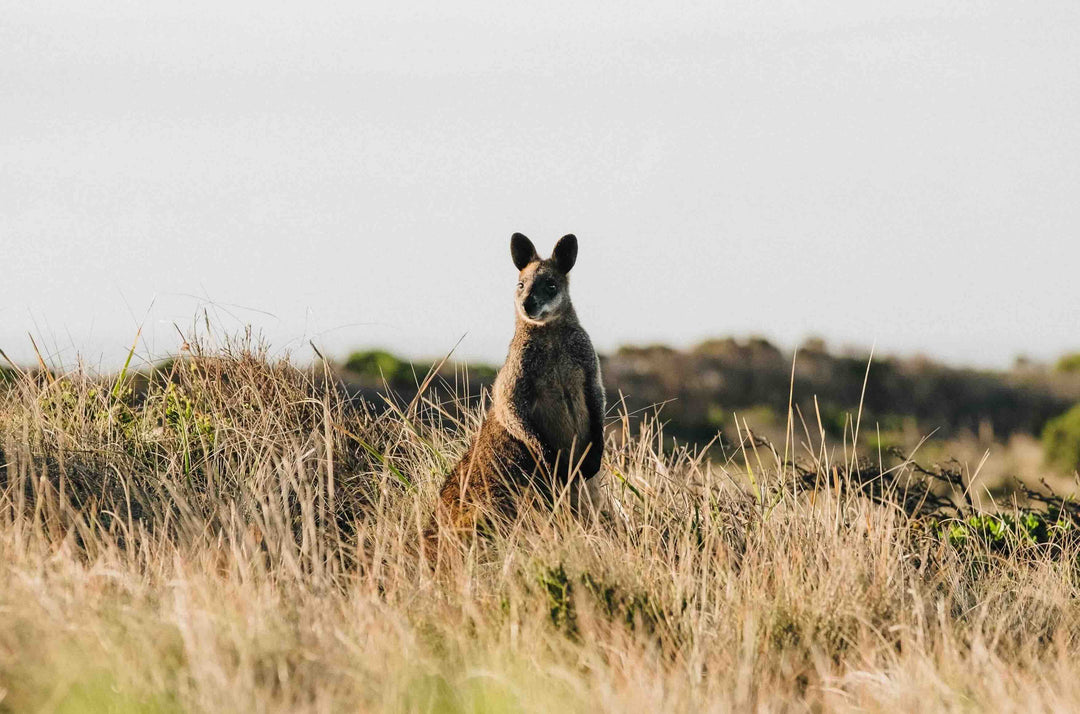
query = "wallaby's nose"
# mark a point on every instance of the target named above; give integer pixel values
(530, 306)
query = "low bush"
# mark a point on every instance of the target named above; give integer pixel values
(1061, 440)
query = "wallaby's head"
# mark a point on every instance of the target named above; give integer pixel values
(543, 289)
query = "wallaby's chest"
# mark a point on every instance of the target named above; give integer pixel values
(559, 408)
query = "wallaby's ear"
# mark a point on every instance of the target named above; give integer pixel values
(522, 251)
(565, 253)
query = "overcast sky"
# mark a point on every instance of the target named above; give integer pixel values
(898, 173)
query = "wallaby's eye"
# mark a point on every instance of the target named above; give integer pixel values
(521, 285)
(551, 285)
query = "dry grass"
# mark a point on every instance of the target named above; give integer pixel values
(235, 537)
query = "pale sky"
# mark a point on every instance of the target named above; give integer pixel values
(905, 174)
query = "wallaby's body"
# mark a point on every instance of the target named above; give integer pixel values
(545, 426)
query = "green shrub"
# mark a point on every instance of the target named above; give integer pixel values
(378, 364)
(1069, 363)
(1004, 531)
(1061, 439)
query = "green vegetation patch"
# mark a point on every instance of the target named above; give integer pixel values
(380, 365)
(102, 694)
(1061, 440)
(1005, 532)
(1069, 363)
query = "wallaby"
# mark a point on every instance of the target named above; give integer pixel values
(544, 432)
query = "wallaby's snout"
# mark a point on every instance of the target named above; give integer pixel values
(532, 306)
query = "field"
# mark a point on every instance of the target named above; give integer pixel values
(232, 532)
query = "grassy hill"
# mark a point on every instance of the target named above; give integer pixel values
(235, 533)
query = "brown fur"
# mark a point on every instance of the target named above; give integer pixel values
(545, 425)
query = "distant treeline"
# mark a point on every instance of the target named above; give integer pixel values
(719, 377)
(703, 387)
